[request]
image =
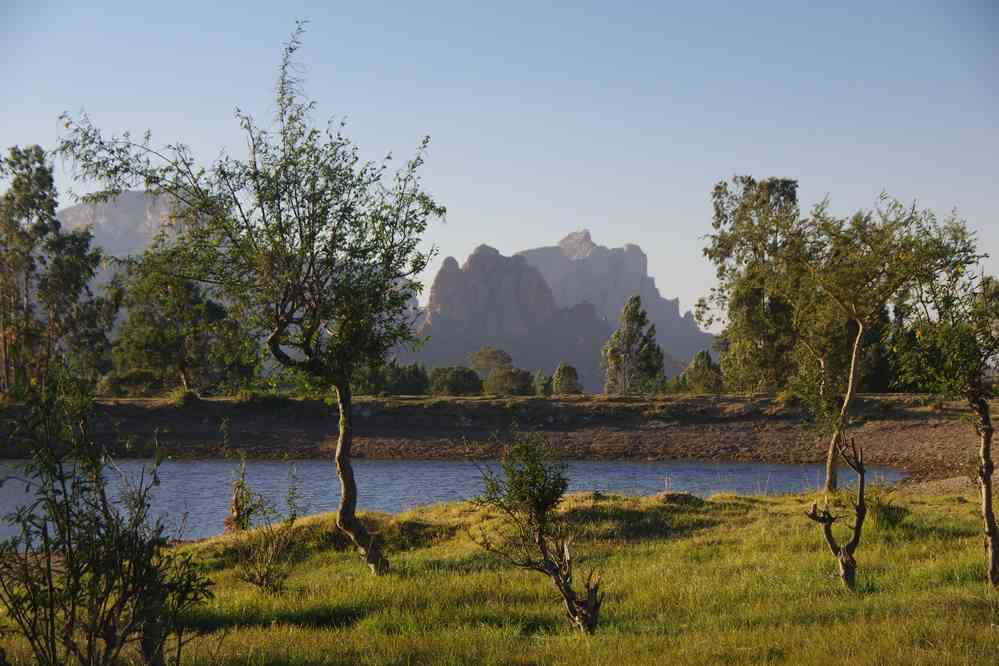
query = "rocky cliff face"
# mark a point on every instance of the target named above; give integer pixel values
(578, 271)
(505, 302)
(125, 226)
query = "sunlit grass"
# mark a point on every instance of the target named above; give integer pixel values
(728, 580)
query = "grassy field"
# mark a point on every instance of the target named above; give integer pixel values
(727, 580)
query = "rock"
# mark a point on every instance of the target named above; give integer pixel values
(580, 271)
(124, 226)
(505, 302)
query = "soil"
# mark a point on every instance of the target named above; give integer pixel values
(927, 439)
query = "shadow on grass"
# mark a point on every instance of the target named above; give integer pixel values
(324, 617)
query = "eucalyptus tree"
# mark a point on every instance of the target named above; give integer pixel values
(319, 248)
(48, 312)
(952, 348)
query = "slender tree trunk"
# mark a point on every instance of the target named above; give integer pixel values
(346, 518)
(985, 469)
(832, 454)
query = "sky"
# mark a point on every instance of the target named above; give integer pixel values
(547, 118)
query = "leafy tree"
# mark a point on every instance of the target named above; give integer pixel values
(565, 381)
(542, 383)
(954, 348)
(47, 310)
(837, 275)
(631, 359)
(509, 381)
(532, 534)
(314, 246)
(703, 375)
(752, 221)
(392, 378)
(457, 380)
(175, 330)
(487, 359)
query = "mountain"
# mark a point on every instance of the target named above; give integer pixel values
(505, 302)
(580, 271)
(122, 227)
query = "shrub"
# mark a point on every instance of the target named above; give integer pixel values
(88, 576)
(542, 384)
(263, 557)
(509, 381)
(456, 380)
(565, 381)
(182, 397)
(532, 534)
(131, 383)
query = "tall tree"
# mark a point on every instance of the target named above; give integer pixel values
(752, 220)
(316, 246)
(487, 359)
(953, 349)
(48, 313)
(631, 359)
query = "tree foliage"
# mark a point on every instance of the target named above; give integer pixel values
(487, 359)
(314, 246)
(47, 310)
(632, 361)
(392, 378)
(455, 380)
(565, 381)
(509, 381)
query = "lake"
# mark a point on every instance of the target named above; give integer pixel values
(199, 490)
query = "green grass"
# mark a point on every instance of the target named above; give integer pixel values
(728, 580)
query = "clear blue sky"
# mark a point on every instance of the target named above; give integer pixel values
(548, 117)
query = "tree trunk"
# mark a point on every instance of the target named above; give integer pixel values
(844, 412)
(847, 569)
(985, 469)
(346, 518)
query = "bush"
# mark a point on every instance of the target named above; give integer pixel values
(182, 397)
(131, 383)
(565, 381)
(456, 380)
(532, 535)
(542, 384)
(509, 381)
(88, 576)
(263, 557)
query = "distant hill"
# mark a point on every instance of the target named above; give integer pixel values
(580, 271)
(506, 302)
(123, 227)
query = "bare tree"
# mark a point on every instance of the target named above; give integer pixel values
(844, 552)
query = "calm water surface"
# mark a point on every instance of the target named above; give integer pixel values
(199, 490)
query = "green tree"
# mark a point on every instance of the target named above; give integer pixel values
(542, 383)
(508, 381)
(752, 221)
(631, 359)
(177, 332)
(565, 381)
(487, 359)
(952, 351)
(316, 247)
(392, 378)
(456, 380)
(47, 311)
(703, 375)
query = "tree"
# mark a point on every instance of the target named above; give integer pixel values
(631, 359)
(317, 248)
(533, 535)
(837, 275)
(487, 359)
(174, 329)
(752, 221)
(703, 375)
(954, 347)
(456, 380)
(392, 378)
(47, 310)
(509, 381)
(565, 381)
(542, 384)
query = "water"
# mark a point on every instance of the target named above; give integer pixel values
(199, 490)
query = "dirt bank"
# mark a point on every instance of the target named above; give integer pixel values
(928, 440)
